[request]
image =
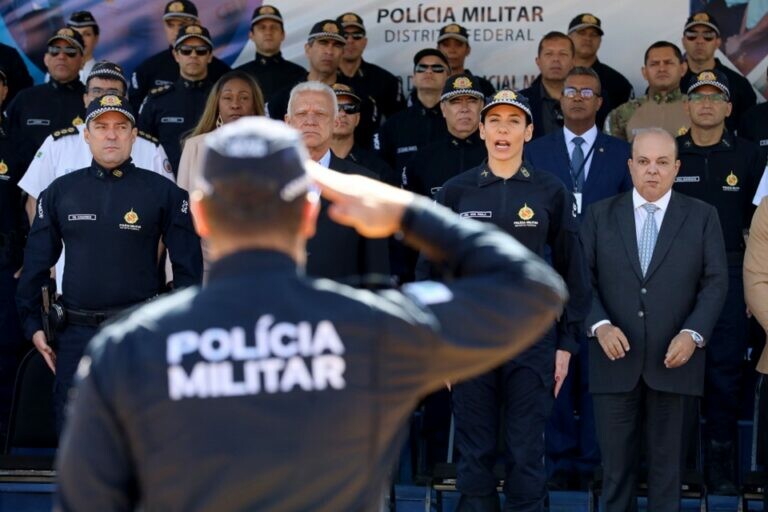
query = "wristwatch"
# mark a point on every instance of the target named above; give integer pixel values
(697, 338)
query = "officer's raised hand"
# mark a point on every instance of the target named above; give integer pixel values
(371, 207)
(42, 346)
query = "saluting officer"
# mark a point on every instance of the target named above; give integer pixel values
(269, 67)
(109, 218)
(539, 211)
(225, 397)
(170, 111)
(38, 111)
(724, 171)
(161, 68)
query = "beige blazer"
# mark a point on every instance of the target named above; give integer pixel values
(191, 161)
(756, 273)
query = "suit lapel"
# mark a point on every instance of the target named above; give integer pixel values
(625, 218)
(597, 160)
(563, 159)
(673, 221)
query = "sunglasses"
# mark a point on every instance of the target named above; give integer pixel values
(572, 92)
(69, 51)
(349, 108)
(200, 51)
(435, 68)
(697, 97)
(692, 35)
(354, 35)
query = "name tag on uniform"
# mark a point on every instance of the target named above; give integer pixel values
(177, 120)
(687, 179)
(764, 142)
(476, 215)
(577, 202)
(161, 82)
(81, 216)
(406, 149)
(38, 122)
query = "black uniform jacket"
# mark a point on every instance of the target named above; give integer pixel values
(536, 208)
(110, 223)
(308, 384)
(273, 73)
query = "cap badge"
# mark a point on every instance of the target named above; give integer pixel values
(452, 29)
(505, 95)
(267, 9)
(331, 27)
(707, 75)
(131, 217)
(350, 18)
(462, 83)
(588, 18)
(110, 101)
(525, 213)
(702, 16)
(176, 7)
(68, 32)
(193, 29)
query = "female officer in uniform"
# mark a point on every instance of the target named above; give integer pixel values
(536, 208)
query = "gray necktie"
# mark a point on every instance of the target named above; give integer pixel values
(577, 164)
(648, 237)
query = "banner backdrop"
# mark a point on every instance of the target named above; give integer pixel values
(504, 34)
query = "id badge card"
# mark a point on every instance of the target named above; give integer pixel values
(577, 200)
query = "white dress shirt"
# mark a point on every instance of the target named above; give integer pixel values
(589, 142)
(325, 161)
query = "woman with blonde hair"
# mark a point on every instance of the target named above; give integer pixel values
(236, 94)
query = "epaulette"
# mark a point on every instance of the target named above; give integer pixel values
(159, 91)
(145, 135)
(64, 132)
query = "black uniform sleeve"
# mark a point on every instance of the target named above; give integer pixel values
(568, 260)
(139, 86)
(180, 238)
(146, 122)
(18, 75)
(43, 249)
(503, 298)
(384, 145)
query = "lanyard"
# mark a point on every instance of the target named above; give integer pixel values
(575, 176)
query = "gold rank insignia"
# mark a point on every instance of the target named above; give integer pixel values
(588, 18)
(732, 180)
(349, 18)
(3, 167)
(110, 101)
(706, 75)
(331, 27)
(505, 95)
(58, 132)
(702, 16)
(525, 213)
(117, 173)
(68, 32)
(452, 29)
(484, 174)
(267, 9)
(131, 217)
(77, 121)
(194, 29)
(525, 173)
(682, 130)
(462, 83)
(176, 7)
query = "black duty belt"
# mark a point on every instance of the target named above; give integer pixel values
(90, 318)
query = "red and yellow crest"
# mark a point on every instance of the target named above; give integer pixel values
(732, 180)
(176, 7)
(131, 217)
(526, 212)
(462, 83)
(331, 28)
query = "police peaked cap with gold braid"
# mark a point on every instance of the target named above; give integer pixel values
(191, 31)
(462, 84)
(703, 18)
(508, 97)
(585, 20)
(110, 103)
(69, 35)
(327, 29)
(713, 77)
(266, 12)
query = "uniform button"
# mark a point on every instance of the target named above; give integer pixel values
(643, 291)
(641, 314)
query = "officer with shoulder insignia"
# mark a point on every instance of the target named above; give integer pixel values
(453, 41)
(663, 105)
(170, 111)
(723, 170)
(109, 219)
(269, 67)
(38, 111)
(224, 380)
(539, 211)
(374, 80)
(161, 69)
(422, 122)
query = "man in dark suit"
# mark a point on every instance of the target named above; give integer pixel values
(336, 252)
(659, 277)
(595, 170)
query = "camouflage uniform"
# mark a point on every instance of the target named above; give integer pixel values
(666, 111)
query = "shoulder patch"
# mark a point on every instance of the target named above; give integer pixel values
(158, 91)
(145, 135)
(58, 134)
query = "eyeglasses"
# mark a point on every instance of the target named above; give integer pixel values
(572, 92)
(349, 108)
(692, 35)
(69, 51)
(98, 91)
(354, 35)
(436, 68)
(697, 97)
(200, 51)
